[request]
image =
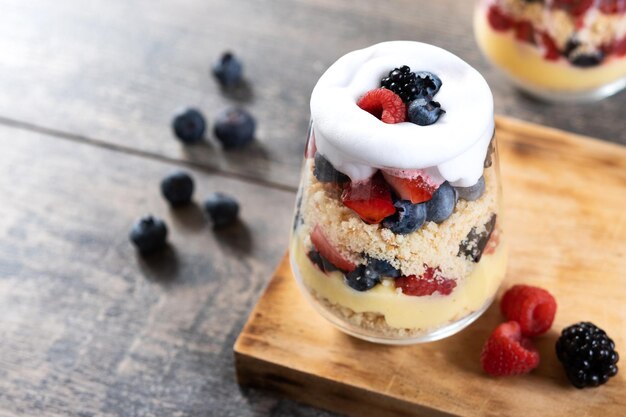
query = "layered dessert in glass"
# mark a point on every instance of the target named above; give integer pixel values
(397, 235)
(557, 50)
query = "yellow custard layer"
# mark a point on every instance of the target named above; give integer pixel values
(524, 63)
(403, 311)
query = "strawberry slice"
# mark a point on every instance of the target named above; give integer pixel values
(370, 199)
(416, 189)
(498, 20)
(384, 104)
(327, 250)
(428, 283)
(551, 50)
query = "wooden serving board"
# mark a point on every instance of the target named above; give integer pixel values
(565, 208)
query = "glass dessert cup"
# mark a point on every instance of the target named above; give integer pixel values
(556, 50)
(410, 251)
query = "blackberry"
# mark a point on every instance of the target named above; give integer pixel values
(403, 82)
(588, 355)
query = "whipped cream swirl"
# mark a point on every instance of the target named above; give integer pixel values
(358, 144)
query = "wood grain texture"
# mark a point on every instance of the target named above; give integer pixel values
(565, 220)
(120, 69)
(88, 328)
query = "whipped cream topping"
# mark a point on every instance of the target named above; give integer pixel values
(358, 144)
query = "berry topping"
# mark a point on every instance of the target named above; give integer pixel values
(573, 7)
(362, 278)
(384, 105)
(507, 352)
(472, 193)
(222, 209)
(384, 268)
(228, 70)
(551, 50)
(428, 84)
(474, 243)
(415, 189)
(498, 20)
(325, 172)
(370, 199)
(408, 218)
(441, 206)
(177, 188)
(424, 112)
(428, 283)
(533, 308)
(402, 82)
(234, 128)
(148, 234)
(588, 355)
(189, 125)
(321, 243)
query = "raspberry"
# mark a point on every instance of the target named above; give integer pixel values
(612, 6)
(498, 20)
(428, 283)
(525, 32)
(384, 104)
(506, 352)
(551, 50)
(533, 308)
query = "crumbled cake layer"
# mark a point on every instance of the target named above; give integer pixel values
(436, 245)
(598, 29)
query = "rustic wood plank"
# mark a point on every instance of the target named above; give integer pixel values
(120, 69)
(565, 221)
(86, 326)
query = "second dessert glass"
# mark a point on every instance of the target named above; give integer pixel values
(397, 235)
(557, 50)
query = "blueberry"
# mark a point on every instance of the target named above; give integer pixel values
(428, 83)
(383, 268)
(189, 125)
(177, 188)
(234, 128)
(474, 243)
(423, 112)
(472, 193)
(316, 258)
(324, 171)
(363, 278)
(441, 205)
(587, 60)
(228, 70)
(407, 219)
(222, 209)
(149, 234)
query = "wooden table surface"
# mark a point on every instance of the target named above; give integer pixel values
(87, 90)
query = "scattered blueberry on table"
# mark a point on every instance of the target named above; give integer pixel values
(228, 70)
(189, 126)
(177, 188)
(149, 234)
(222, 209)
(234, 128)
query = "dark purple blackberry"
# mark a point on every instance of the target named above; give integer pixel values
(588, 355)
(402, 82)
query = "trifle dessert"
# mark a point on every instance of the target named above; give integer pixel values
(556, 49)
(397, 235)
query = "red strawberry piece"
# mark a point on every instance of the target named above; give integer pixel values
(507, 352)
(551, 52)
(498, 20)
(573, 7)
(328, 251)
(524, 31)
(612, 6)
(384, 104)
(428, 283)
(370, 199)
(417, 189)
(533, 308)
